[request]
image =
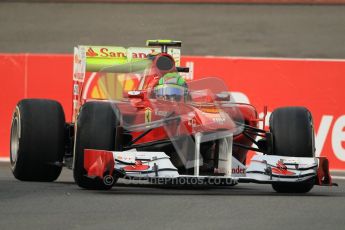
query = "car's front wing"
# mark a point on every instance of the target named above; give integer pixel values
(153, 165)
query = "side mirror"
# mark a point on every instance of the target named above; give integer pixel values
(223, 96)
(136, 94)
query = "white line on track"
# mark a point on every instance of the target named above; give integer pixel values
(4, 159)
(338, 177)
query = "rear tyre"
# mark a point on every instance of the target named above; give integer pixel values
(37, 140)
(293, 135)
(95, 129)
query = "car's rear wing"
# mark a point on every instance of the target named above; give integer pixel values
(120, 59)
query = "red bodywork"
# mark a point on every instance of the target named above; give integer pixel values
(199, 122)
(97, 162)
(140, 111)
(198, 114)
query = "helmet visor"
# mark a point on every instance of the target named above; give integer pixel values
(170, 92)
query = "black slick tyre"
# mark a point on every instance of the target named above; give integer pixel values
(95, 129)
(293, 136)
(37, 141)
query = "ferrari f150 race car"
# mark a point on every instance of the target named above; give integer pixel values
(135, 116)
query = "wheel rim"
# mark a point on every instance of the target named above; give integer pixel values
(15, 140)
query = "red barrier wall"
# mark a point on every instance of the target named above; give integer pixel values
(316, 84)
(32, 76)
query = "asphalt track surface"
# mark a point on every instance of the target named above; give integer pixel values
(311, 31)
(63, 205)
(236, 30)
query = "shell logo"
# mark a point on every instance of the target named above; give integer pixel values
(112, 86)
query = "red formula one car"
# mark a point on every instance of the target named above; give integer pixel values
(136, 117)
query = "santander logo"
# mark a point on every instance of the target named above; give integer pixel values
(104, 52)
(91, 53)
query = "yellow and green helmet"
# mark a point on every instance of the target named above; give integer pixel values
(172, 86)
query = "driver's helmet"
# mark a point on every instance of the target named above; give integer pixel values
(171, 87)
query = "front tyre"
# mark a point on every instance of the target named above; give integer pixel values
(95, 129)
(293, 136)
(37, 140)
